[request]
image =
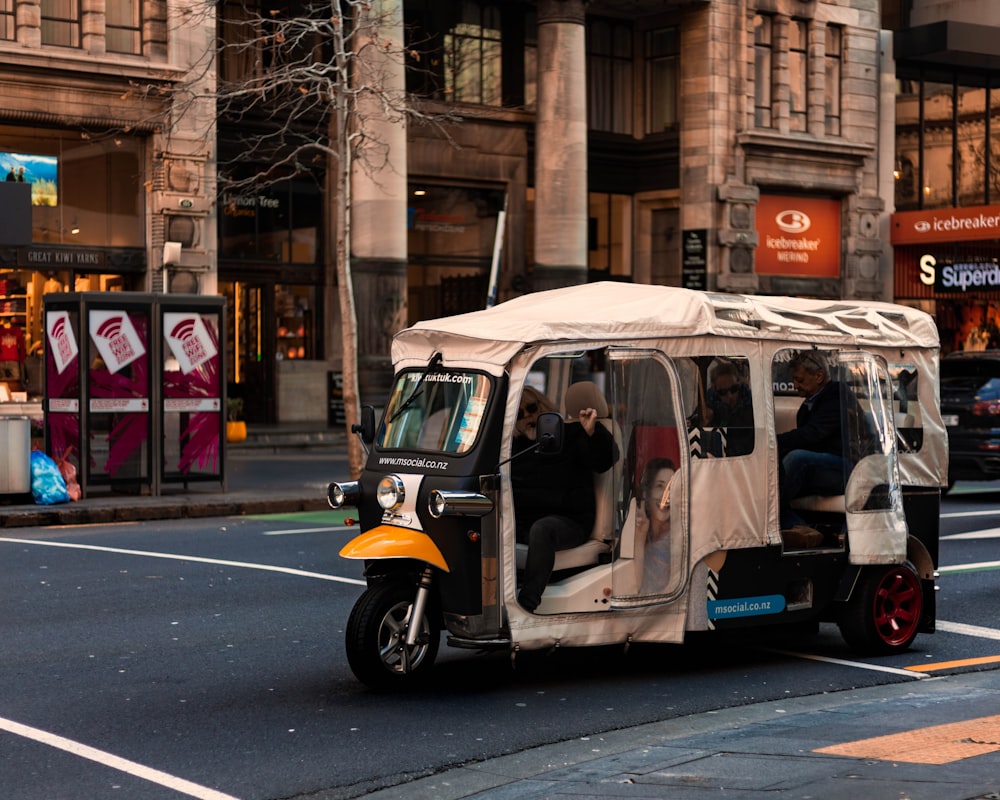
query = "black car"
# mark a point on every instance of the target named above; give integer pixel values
(970, 408)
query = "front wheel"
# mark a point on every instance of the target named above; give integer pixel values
(884, 611)
(376, 638)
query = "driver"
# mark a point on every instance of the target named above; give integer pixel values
(554, 492)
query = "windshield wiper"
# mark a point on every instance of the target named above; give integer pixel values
(432, 366)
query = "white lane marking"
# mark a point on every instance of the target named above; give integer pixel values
(986, 533)
(959, 514)
(843, 663)
(115, 762)
(968, 630)
(973, 567)
(198, 559)
(294, 531)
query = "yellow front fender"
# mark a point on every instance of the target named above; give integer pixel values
(389, 541)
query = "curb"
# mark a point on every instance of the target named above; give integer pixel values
(179, 507)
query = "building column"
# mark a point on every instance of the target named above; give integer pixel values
(378, 205)
(561, 146)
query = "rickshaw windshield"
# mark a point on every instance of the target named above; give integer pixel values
(437, 410)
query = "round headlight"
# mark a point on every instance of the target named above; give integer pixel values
(437, 504)
(390, 492)
(336, 495)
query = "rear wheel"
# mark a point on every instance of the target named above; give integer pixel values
(884, 611)
(376, 638)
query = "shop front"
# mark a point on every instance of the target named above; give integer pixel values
(947, 262)
(74, 220)
(271, 274)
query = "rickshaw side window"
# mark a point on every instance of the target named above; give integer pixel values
(440, 411)
(906, 407)
(727, 428)
(718, 405)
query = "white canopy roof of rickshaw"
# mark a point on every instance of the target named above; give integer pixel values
(609, 310)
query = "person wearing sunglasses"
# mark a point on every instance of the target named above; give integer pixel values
(554, 492)
(811, 455)
(732, 407)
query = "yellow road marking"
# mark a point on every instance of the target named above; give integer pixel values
(938, 744)
(964, 662)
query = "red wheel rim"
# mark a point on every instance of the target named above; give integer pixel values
(897, 608)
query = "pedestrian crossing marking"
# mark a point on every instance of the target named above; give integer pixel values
(938, 744)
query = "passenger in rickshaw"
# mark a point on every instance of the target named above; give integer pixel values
(811, 455)
(731, 405)
(554, 492)
(653, 524)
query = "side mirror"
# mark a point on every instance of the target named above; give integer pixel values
(550, 432)
(366, 428)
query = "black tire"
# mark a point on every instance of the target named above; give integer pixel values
(884, 611)
(376, 638)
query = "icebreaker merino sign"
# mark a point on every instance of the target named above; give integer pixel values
(798, 236)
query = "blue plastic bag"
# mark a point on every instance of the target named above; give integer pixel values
(48, 486)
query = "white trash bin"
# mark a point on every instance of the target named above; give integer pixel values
(15, 455)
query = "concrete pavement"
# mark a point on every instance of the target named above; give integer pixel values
(933, 739)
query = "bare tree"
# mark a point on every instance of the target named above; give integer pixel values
(309, 89)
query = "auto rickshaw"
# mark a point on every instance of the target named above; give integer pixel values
(437, 515)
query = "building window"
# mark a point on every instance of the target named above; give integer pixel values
(7, 29)
(473, 56)
(61, 22)
(123, 27)
(798, 73)
(662, 79)
(763, 49)
(834, 61)
(609, 76)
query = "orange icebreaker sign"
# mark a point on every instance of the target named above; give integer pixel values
(798, 236)
(972, 223)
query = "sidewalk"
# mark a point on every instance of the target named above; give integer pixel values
(924, 740)
(279, 469)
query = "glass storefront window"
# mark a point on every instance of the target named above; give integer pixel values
(451, 231)
(21, 293)
(943, 154)
(83, 192)
(280, 223)
(294, 307)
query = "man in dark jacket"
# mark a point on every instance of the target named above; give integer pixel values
(811, 455)
(554, 492)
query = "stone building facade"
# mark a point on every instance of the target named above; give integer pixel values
(732, 145)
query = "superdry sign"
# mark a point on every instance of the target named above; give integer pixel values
(946, 225)
(958, 276)
(798, 236)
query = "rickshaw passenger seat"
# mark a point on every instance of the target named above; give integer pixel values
(587, 394)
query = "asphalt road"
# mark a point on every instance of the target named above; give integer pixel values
(204, 658)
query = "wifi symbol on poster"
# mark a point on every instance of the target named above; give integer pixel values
(184, 330)
(110, 328)
(59, 328)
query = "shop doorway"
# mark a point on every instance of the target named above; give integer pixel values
(251, 346)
